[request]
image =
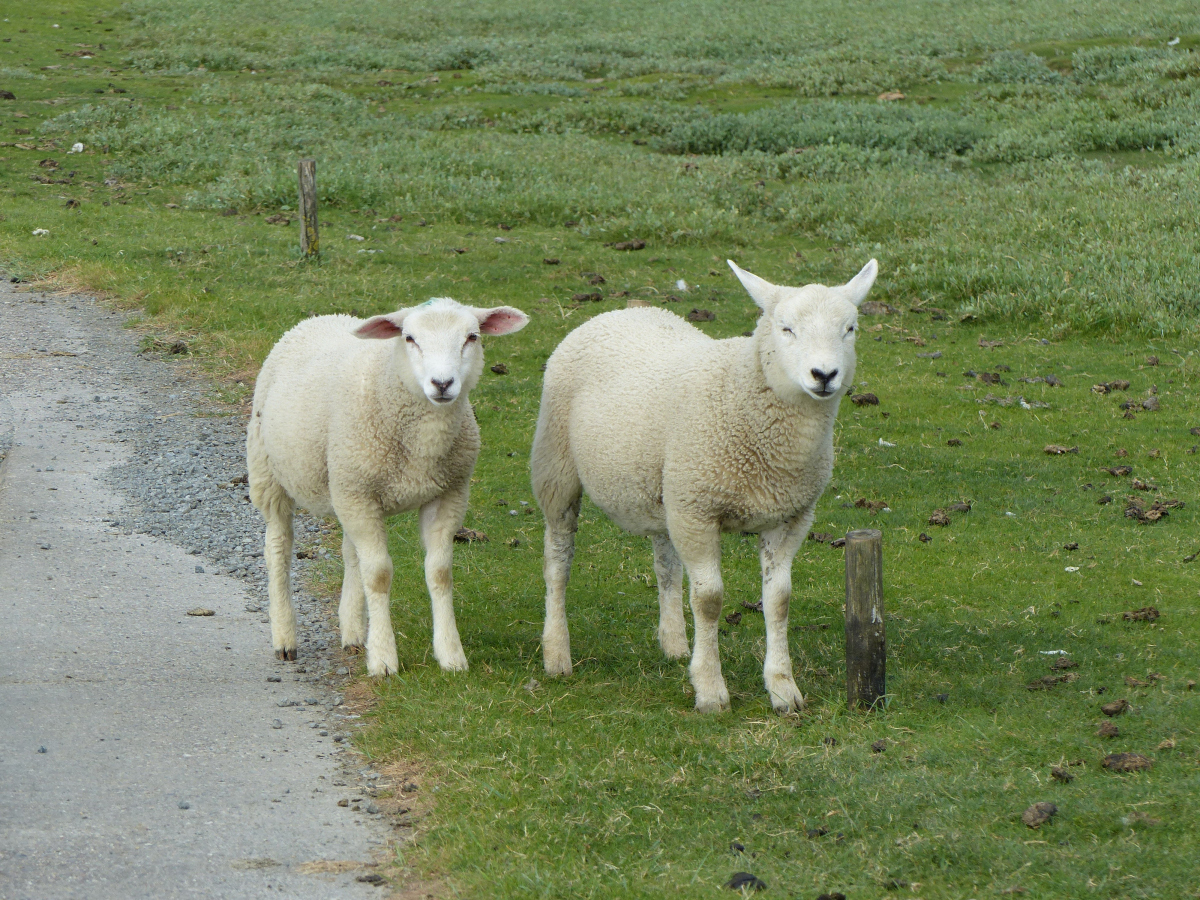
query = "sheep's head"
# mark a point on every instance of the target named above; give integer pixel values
(806, 335)
(439, 341)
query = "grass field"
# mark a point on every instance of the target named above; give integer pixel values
(1036, 186)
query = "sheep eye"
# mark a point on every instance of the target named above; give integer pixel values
(409, 338)
(850, 329)
(472, 338)
(787, 330)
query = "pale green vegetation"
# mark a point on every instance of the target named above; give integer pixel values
(1037, 182)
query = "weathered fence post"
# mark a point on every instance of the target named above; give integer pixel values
(310, 244)
(866, 641)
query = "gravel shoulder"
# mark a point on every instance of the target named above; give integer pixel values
(145, 751)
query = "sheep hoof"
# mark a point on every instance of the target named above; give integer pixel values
(712, 706)
(456, 663)
(674, 646)
(287, 655)
(377, 669)
(786, 698)
(787, 707)
(557, 664)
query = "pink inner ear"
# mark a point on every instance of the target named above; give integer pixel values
(378, 327)
(502, 321)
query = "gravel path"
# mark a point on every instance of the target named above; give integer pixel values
(144, 751)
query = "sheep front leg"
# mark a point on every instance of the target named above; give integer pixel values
(672, 632)
(353, 606)
(699, 547)
(776, 550)
(366, 531)
(440, 519)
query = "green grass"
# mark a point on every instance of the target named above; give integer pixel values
(1045, 200)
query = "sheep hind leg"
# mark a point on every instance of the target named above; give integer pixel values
(699, 548)
(672, 631)
(277, 550)
(777, 548)
(561, 525)
(352, 610)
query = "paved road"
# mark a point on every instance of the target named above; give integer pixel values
(137, 753)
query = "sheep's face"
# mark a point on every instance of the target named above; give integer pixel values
(806, 335)
(439, 345)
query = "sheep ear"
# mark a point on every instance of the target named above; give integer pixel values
(501, 320)
(858, 286)
(382, 327)
(761, 291)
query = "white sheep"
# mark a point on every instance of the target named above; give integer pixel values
(364, 430)
(681, 437)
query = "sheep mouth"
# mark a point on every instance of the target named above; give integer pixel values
(823, 394)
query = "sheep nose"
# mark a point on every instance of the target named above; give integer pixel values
(442, 386)
(823, 377)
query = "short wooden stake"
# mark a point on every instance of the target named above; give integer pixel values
(866, 640)
(310, 244)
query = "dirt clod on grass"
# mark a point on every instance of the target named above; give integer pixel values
(1039, 814)
(1058, 450)
(864, 400)
(1048, 681)
(635, 244)
(277, 219)
(1148, 514)
(1126, 762)
(500, 369)
(1119, 471)
(551, 261)
(753, 607)
(924, 538)
(1145, 614)
(879, 746)
(734, 618)
(1136, 682)
(872, 505)
(1108, 730)
(1115, 708)
(939, 517)
(1064, 662)
(954, 442)
(832, 895)
(701, 315)
(469, 536)
(742, 880)
(1060, 774)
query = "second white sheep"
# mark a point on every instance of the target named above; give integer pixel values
(681, 437)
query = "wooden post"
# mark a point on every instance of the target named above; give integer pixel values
(310, 244)
(866, 641)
